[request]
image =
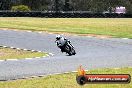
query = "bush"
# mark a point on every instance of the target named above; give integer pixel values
(20, 8)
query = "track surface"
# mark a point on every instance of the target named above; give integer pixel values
(91, 53)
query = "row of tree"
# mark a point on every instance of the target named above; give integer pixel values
(68, 5)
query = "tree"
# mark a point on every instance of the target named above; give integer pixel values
(128, 6)
(68, 5)
(57, 5)
(20, 8)
(81, 5)
(5, 4)
(100, 5)
(36, 4)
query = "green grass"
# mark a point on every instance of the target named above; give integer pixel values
(67, 80)
(117, 27)
(8, 53)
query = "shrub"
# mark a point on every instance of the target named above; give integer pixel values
(20, 8)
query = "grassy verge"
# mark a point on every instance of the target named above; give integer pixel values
(67, 81)
(117, 27)
(8, 53)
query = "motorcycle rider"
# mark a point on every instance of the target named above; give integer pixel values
(61, 42)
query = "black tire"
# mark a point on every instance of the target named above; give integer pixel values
(73, 51)
(70, 53)
(81, 80)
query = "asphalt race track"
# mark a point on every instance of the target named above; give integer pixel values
(92, 53)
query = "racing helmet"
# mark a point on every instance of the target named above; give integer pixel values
(58, 37)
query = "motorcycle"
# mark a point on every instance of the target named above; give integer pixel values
(68, 48)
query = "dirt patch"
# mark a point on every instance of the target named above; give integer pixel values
(63, 33)
(2, 54)
(70, 34)
(13, 29)
(94, 35)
